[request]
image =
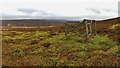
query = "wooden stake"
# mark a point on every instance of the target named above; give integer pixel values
(95, 29)
(90, 29)
(86, 29)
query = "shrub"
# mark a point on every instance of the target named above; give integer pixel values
(114, 26)
(113, 50)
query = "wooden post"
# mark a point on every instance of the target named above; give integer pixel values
(90, 29)
(95, 29)
(86, 29)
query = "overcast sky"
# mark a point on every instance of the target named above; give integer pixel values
(59, 9)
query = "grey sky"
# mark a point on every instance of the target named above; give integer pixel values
(27, 11)
(119, 8)
(94, 10)
(62, 9)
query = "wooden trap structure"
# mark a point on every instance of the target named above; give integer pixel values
(87, 24)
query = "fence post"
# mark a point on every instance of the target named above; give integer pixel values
(90, 29)
(95, 29)
(86, 29)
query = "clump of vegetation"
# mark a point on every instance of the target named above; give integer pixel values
(114, 26)
(102, 40)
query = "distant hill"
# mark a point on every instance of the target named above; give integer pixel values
(37, 22)
(30, 23)
(112, 20)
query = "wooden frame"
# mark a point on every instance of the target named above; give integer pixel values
(85, 22)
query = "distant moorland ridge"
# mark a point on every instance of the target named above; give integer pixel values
(32, 22)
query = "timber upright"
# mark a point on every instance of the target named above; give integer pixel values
(86, 23)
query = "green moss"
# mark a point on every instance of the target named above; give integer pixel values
(102, 40)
